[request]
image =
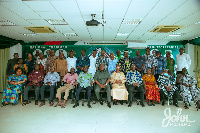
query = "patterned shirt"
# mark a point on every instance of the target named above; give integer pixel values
(30, 65)
(42, 62)
(38, 76)
(167, 81)
(125, 64)
(82, 61)
(50, 62)
(170, 65)
(85, 79)
(161, 65)
(53, 78)
(16, 78)
(118, 58)
(133, 77)
(112, 65)
(150, 61)
(71, 78)
(187, 79)
(104, 60)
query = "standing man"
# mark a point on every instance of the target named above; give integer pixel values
(49, 82)
(50, 60)
(102, 79)
(71, 60)
(112, 63)
(170, 63)
(102, 59)
(134, 80)
(61, 65)
(150, 61)
(118, 56)
(183, 60)
(34, 81)
(161, 64)
(125, 62)
(93, 59)
(85, 80)
(82, 61)
(139, 62)
(11, 64)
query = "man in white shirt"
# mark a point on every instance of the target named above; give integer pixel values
(93, 58)
(71, 60)
(183, 60)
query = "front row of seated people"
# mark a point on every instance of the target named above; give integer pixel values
(118, 81)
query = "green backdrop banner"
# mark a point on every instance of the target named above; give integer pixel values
(89, 48)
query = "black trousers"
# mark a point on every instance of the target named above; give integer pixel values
(140, 89)
(174, 97)
(80, 89)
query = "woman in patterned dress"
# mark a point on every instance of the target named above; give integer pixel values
(42, 62)
(152, 90)
(14, 87)
(119, 91)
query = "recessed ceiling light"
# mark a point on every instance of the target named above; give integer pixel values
(123, 34)
(56, 22)
(131, 21)
(70, 34)
(6, 23)
(32, 35)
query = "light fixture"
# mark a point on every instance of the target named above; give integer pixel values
(70, 34)
(6, 23)
(123, 34)
(56, 22)
(197, 22)
(31, 35)
(131, 21)
(176, 34)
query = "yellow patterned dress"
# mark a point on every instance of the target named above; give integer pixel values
(119, 91)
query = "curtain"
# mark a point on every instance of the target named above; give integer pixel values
(4, 57)
(197, 62)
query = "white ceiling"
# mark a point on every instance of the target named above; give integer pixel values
(77, 12)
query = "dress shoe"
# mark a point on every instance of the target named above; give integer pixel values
(109, 105)
(101, 101)
(130, 104)
(121, 102)
(41, 104)
(36, 102)
(142, 104)
(25, 102)
(115, 103)
(89, 106)
(76, 104)
(176, 104)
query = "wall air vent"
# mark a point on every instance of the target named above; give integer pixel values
(166, 28)
(41, 29)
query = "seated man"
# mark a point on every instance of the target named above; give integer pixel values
(34, 78)
(49, 82)
(134, 80)
(102, 79)
(70, 79)
(85, 80)
(167, 87)
(188, 89)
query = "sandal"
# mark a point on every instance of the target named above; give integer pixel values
(186, 107)
(58, 104)
(63, 106)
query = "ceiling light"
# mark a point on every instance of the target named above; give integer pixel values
(176, 34)
(70, 34)
(131, 21)
(197, 22)
(32, 35)
(56, 22)
(123, 34)
(6, 23)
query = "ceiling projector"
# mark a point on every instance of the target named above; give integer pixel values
(92, 22)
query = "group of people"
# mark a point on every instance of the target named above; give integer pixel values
(152, 75)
